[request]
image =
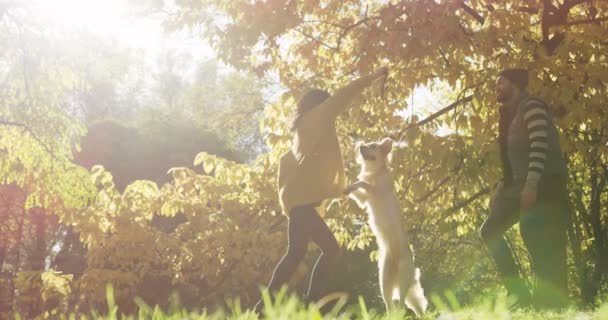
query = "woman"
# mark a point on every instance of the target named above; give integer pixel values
(311, 172)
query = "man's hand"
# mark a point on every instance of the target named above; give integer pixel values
(528, 197)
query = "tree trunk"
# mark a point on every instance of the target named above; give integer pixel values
(599, 238)
(38, 252)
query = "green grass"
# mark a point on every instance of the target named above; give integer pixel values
(291, 308)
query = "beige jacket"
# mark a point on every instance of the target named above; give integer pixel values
(313, 170)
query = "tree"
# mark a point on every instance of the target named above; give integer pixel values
(215, 97)
(442, 180)
(37, 136)
(47, 101)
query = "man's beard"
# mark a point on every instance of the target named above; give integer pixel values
(504, 97)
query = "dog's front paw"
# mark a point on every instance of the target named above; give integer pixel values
(348, 190)
(357, 185)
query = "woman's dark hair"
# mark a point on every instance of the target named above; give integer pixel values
(309, 101)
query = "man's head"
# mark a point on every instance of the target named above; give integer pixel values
(510, 83)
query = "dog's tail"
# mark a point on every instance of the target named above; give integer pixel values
(413, 295)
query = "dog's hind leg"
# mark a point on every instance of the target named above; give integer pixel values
(387, 271)
(410, 289)
(415, 296)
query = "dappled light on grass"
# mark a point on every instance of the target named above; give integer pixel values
(289, 306)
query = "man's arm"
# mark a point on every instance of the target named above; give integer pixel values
(536, 119)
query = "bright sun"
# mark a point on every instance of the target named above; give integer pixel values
(105, 18)
(99, 16)
(116, 20)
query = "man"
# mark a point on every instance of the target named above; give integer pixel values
(532, 192)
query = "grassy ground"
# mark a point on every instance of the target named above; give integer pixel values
(290, 308)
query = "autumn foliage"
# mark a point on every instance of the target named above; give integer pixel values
(210, 228)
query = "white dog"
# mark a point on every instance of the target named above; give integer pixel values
(375, 192)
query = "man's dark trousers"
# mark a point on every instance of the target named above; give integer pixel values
(543, 229)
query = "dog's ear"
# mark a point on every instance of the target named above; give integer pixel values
(386, 145)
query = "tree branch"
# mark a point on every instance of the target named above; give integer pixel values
(422, 171)
(573, 3)
(435, 188)
(11, 123)
(315, 39)
(469, 200)
(531, 10)
(31, 132)
(465, 203)
(352, 26)
(445, 59)
(435, 115)
(443, 181)
(586, 21)
(552, 16)
(558, 16)
(325, 22)
(345, 29)
(473, 13)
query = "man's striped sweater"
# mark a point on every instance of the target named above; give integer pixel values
(531, 143)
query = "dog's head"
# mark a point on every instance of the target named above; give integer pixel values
(373, 156)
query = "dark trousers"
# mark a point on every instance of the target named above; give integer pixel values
(543, 228)
(306, 225)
